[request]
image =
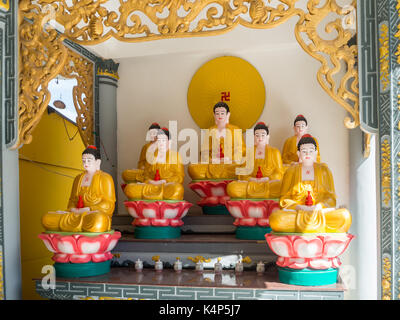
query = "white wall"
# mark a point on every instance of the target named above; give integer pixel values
(154, 88)
(360, 263)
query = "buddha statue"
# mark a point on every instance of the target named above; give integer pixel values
(308, 199)
(265, 180)
(289, 152)
(135, 175)
(162, 176)
(91, 203)
(222, 149)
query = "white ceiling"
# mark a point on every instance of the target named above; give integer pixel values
(240, 38)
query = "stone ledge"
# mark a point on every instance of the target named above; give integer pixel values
(126, 283)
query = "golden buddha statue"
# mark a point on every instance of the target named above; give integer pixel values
(91, 203)
(308, 198)
(162, 176)
(222, 149)
(289, 152)
(265, 180)
(135, 175)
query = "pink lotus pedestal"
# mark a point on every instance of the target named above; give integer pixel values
(213, 195)
(81, 254)
(157, 219)
(252, 217)
(308, 259)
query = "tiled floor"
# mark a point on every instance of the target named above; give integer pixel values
(126, 283)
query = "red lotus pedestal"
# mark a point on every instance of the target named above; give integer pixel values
(213, 195)
(157, 219)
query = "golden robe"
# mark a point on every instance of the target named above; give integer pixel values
(136, 175)
(142, 158)
(233, 147)
(271, 167)
(99, 197)
(289, 152)
(172, 172)
(294, 191)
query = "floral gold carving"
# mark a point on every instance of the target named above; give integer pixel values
(384, 56)
(90, 22)
(338, 51)
(367, 144)
(386, 279)
(82, 70)
(41, 57)
(5, 5)
(385, 172)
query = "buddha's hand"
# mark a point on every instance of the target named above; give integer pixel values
(157, 182)
(305, 208)
(263, 179)
(80, 210)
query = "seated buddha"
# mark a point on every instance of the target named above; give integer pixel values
(162, 176)
(91, 203)
(289, 152)
(133, 175)
(308, 198)
(265, 180)
(222, 149)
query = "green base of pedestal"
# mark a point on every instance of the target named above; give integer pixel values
(215, 210)
(80, 270)
(157, 232)
(252, 233)
(308, 277)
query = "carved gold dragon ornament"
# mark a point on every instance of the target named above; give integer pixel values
(81, 69)
(89, 22)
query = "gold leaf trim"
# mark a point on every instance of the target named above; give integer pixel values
(81, 69)
(385, 172)
(384, 56)
(5, 6)
(90, 22)
(387, 279)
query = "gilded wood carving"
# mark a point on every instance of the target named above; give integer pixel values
(89, 22)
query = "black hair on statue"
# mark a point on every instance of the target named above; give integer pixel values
(93, 151)
(154, 125)
(221, 105)
(300, 117)
(261, 126)
(305, 140)
(164, 131)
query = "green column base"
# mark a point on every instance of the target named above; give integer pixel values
(151, 232)
(252, 233)
(80, 270)
(308, 277)
(215, 210)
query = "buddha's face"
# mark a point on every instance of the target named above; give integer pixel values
(307, 154)
(221, 116)
(300, 128)
(162, 143)
(152, 135)
(90, 163)
(261, 138)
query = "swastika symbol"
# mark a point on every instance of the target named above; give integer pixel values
(226, 96)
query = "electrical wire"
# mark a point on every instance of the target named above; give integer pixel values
(66, 130)
(42, 167)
